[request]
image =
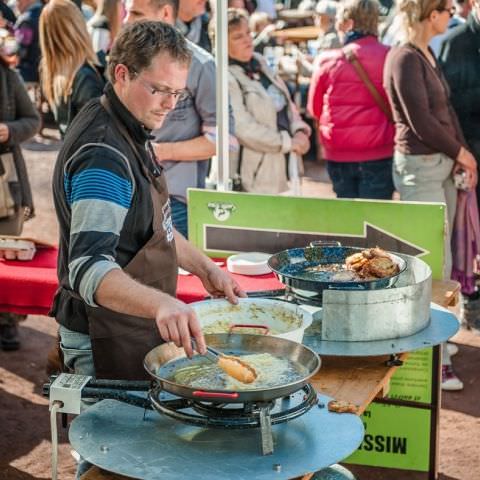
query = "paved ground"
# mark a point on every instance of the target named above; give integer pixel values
(25, 433)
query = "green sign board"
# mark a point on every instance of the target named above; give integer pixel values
(399, 437)
(395, 437)
(222, 223)
(413, 382)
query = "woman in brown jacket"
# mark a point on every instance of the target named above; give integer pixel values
(429, 144)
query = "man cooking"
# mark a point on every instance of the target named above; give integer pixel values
(119, 252)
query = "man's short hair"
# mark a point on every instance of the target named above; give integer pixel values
(175, 4)
(139, 43)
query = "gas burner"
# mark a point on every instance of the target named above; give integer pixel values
(212, 414)
(236, 416)
(304, 297)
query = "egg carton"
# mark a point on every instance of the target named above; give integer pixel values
(16, 249)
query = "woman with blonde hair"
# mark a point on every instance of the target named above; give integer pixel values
(105, 24)
(429, 144)
(70, 71)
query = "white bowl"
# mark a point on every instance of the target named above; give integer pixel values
(250, 263)
(284, 320)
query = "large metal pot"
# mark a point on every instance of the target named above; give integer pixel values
(272, 317)
(162, 362)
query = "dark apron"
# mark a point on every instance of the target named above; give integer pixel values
(120, 342)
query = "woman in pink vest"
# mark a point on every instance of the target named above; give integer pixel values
(354, 130)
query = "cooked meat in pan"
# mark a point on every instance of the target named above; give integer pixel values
(372, 263)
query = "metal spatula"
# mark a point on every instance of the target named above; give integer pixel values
(232, 366)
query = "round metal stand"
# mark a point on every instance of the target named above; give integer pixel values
(127, 440)
(442, 326)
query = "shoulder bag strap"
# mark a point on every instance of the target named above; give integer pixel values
(361, 72)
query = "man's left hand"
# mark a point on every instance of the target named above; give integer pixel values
(220, 284)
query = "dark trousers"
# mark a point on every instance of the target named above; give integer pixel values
(372, 179)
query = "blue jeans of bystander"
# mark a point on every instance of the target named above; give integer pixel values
(78, 356)
(371, 179)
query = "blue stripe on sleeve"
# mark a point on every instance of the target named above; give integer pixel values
(99, 184)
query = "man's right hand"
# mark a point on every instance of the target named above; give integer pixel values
(177, 322)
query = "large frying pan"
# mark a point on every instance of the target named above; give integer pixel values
(162, 361)
(291, 268)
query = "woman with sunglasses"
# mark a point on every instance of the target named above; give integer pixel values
(429, 144)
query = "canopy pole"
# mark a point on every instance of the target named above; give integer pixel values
(221, 58)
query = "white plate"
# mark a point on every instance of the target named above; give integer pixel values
(250, 263)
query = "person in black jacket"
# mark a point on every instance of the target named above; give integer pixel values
(460, 60)
(19, 121)
(71, 73)
(26, 34)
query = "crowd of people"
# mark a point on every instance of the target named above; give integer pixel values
(390, 103)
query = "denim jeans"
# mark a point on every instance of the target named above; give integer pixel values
(179, 216)
(78, 356)
(372, 179)
(77, 351)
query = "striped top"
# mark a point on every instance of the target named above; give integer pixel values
(99, 194)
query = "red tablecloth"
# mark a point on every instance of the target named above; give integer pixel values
(29, 287)
(190, 288)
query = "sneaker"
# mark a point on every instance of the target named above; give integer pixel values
(9, 337)
(452, 349)
(449, 380)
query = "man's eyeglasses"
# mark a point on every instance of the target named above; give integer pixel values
(163, 92)
(451, 11)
